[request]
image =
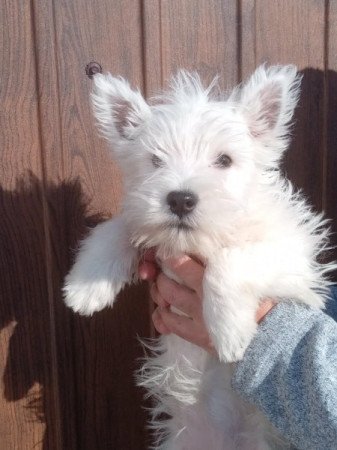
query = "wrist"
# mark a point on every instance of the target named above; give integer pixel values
(264, 308)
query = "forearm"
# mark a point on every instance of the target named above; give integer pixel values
(290, 373)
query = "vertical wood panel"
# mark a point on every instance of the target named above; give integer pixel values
(109, 411)
(194, 35)
(59, 189)
(27, 376)
(331, 156)
(200, 35)
(286, 32)
(152, 47)
(282, 32)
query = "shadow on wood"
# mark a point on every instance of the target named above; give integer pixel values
(73, 374)
(311, 161)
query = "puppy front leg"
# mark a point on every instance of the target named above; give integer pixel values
(105, 262)
(229, 305)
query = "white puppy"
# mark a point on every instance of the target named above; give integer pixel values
(202, 177)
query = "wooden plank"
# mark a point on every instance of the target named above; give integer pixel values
(109, 411)
(284, 32)
(330, 191)
(26, 371)
(200, 35)
(60, 398)
(152, 47)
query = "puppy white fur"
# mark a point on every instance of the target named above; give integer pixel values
(202, 177)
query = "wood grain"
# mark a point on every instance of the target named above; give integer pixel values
(102, 351)
(290, 32)
(200, 35)
(152, 47)
(27, 376)
(330, 187)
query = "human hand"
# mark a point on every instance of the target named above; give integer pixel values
(186, 297)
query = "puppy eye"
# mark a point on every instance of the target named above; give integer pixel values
(156, 161)
(223, 161)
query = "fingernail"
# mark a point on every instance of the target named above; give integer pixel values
(142, 274)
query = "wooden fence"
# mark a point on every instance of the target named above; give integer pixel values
(67, 381)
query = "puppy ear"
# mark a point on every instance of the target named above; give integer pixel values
(269, 99)
(120, 111)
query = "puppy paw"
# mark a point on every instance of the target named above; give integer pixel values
(232, 346)
(229, 305)
(86, 298)
(104, 264)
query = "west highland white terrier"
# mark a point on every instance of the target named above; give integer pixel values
(201, 172)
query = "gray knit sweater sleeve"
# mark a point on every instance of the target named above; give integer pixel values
(289, 372)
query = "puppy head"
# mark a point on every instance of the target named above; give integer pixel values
(192, 160)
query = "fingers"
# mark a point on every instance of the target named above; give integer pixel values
(158, 322)
(264, 308)
(186, 297)
(180, 325)
(157, 297)
(184, 327)
(148, 268)
(188, 270)
(167, 291)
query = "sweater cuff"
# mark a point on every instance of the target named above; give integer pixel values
(276, 338)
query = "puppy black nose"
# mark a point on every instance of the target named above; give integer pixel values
(181, 203)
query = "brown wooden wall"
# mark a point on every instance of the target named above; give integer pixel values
(66, 381)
